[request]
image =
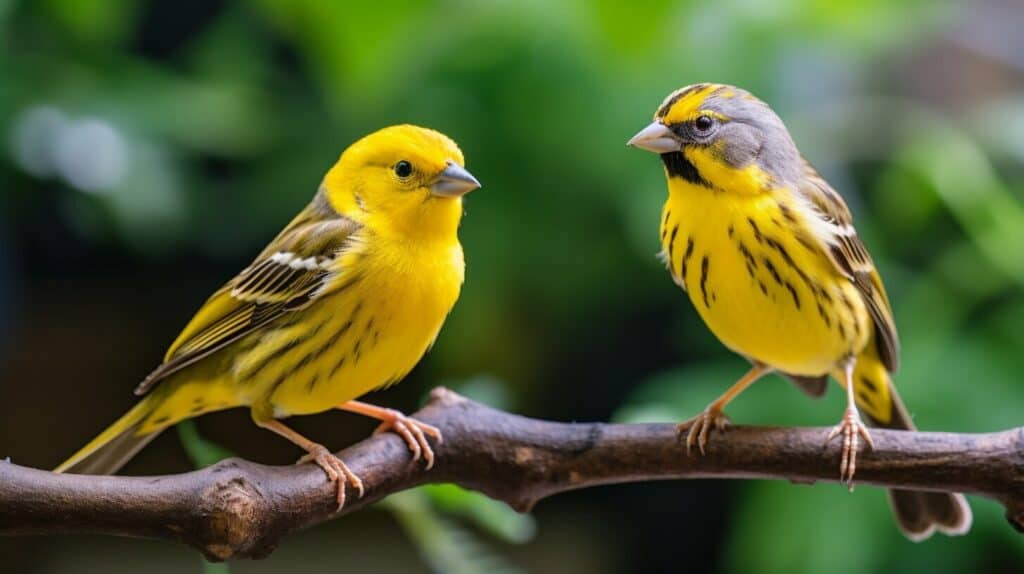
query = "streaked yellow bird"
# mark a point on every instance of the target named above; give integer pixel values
(768, 254)
(345, 300)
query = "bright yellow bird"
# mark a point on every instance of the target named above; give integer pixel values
(345, 300)
(768, 253)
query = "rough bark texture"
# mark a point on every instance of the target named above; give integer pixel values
(239, 509)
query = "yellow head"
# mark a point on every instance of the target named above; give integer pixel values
(723, 138)
(403, 180)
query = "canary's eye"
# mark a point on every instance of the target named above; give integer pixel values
(403, 169)
(703, 124)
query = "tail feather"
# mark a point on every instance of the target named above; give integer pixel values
(113, 447)
(918, 513)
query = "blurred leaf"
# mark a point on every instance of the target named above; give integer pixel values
(448, 548)
(96, 21)
(203, 114)
(5, 10)
(631, 27)
(965, 179)
(827, 530)
(215, 567)
(352, 56)
(915, 204)
(491, 515)
(200, 451)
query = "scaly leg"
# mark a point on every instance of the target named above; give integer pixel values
(713, 416)
(411, 430)
(333, 466)
(851, 427)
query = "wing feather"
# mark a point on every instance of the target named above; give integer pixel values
(850, 256)
(286, 277)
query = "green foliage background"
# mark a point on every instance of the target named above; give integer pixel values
(162, 142)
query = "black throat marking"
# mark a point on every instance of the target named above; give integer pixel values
(677, 165)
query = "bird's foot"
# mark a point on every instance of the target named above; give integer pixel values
(413, 432)
(337, 471)
(851, 428)
(700, 426)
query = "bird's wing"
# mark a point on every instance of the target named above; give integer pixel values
(286, 277)
(840, 242)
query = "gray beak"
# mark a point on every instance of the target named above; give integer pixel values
(656, 138)
(454, 181)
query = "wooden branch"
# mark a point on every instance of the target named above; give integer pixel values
(238, 509)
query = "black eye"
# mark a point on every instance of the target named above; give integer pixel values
(403, 169)
(703, 124)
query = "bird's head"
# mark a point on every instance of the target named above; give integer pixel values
(721, 137)
(405, 179)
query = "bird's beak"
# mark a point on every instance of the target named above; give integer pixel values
(454, 181)
(656, 138)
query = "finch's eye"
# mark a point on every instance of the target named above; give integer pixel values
(403, 169)
(703, 124)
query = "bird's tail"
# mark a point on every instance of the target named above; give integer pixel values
(166, 405)
(115, 446)
(918, 513)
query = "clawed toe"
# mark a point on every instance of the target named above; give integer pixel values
(336, 470)
(700, 426)
(415, 435)
(851, 429)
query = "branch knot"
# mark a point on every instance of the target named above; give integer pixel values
(231, 511)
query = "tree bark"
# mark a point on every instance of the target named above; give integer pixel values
(240, 509)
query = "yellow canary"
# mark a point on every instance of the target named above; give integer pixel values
(768, 254)
(346, 299)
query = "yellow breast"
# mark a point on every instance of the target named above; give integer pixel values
(763, 291)
(369, 327)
